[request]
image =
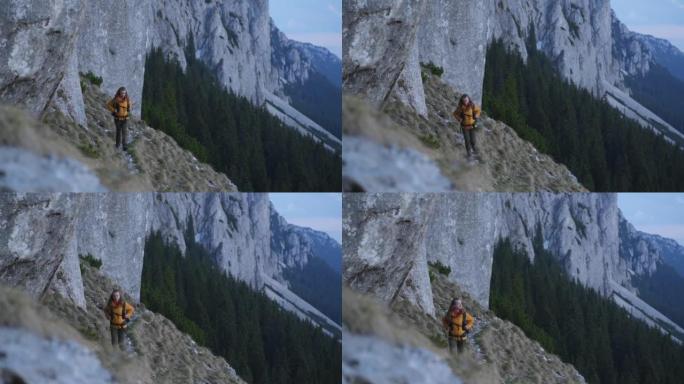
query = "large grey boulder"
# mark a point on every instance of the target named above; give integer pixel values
(384, 246)
(378, 40)
(36, 40)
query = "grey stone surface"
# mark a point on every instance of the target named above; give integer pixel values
(42, 236)
(44, 45)
(454, 37)
(460, 230)
(384, 246)
(375, 167)
(378, 37)
(36, 39)
(369, 359)
(24, 171)
(585, 40)
(29, 358)
(36, 242)
(643, 252)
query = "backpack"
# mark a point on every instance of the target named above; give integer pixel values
(464, 321)
(118, 106)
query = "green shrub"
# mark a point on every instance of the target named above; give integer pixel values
(441, 268)
(432, 68)
(89, 150)
(90, 260)
(95, 80)
(430, 141)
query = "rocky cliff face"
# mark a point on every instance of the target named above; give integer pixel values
(293, 61)
(42, 237)
(36, 41)
(386, 40)
(643, 251)
(46, 44)
(59, 155)
(390, 239)
(379, 38)
(460, 231)
(53, 340)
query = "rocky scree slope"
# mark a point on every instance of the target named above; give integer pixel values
(70, 344)
(391, 238)
(407, 151)
(46, 45)
(42, 236)
(498, 351)
(154, 161)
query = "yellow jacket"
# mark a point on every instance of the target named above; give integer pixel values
(458, 323)
(120, 108)
(115, 313)
(467, 115)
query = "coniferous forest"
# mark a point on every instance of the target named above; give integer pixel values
(262, 342)
(661, 92)
(591, 332)
(253, 148)
(605, 150)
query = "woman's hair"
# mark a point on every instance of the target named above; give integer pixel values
(122, 89)
(111, 296)
(461, 101)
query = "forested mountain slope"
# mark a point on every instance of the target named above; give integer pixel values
(54, 340)
(244, 141)
(45, 149)
(49, 45)
(605, 150)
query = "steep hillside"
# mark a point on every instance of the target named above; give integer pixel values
(604, 342)
(391, 238)
(49, 43)
(55, 340)
(402, 336)
(584, 40)
(399, 135)
(154, 160)
(46, 233)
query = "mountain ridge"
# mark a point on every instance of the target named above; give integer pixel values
(586, 41)
(581, 230)
(235, 228)
(233, 37)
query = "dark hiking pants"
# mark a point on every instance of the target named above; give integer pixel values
(469, 136)
(457, 343)
(121, 133)
(117, 336)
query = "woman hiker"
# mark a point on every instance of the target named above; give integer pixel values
(120, 107)
(119, 313)
(467, 114)
(458, 323)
